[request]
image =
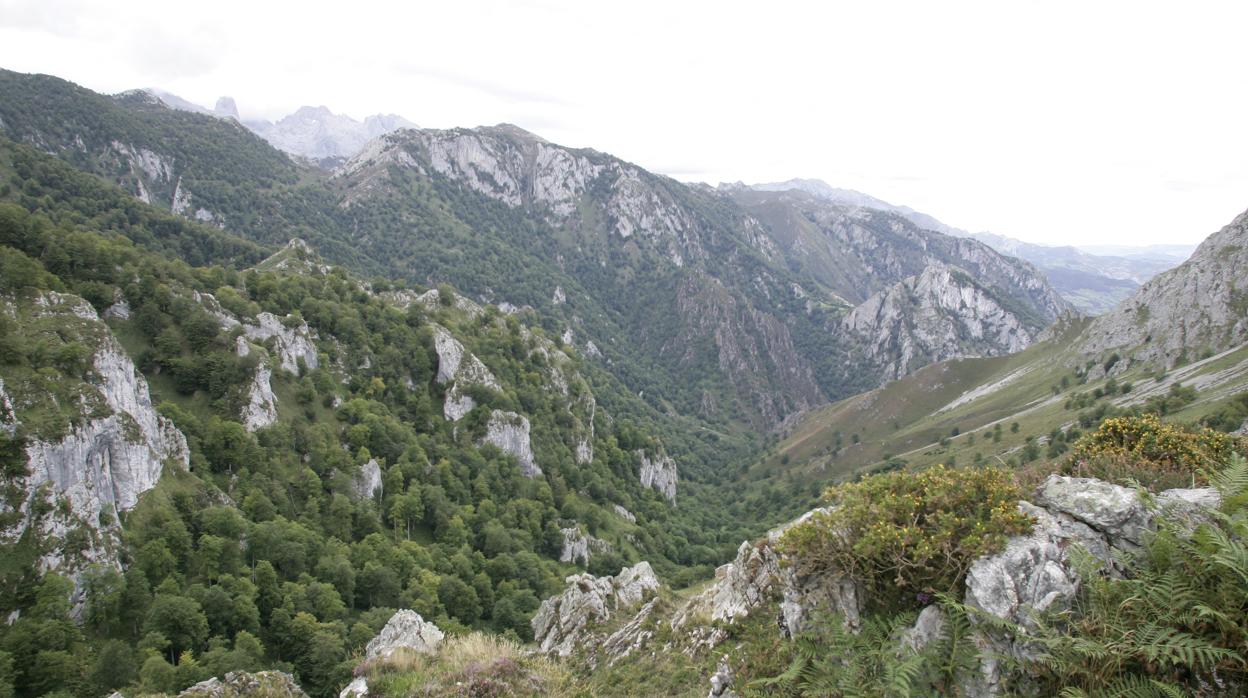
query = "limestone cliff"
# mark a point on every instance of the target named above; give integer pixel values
(939, 314)
(1199, 306)
(113, 449)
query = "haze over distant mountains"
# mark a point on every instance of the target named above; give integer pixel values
(310, 132)
(1092, 278)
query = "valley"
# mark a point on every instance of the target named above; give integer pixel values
(321, 407)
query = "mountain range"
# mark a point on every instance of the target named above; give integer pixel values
(1091, 279)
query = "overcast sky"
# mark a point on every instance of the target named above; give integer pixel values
(1056, 122)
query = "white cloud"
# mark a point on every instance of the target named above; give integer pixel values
(1115, 122)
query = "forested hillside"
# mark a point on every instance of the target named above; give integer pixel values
(321, 451)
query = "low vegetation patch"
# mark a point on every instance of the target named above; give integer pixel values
(476, 664)
(907, 536)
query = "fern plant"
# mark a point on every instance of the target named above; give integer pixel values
(1178, 625)
(831, 660)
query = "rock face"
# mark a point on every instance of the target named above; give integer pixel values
(367, 484)
(759, 574)
(509, 432)
(290, 343)
(261, 408)
(563, 622)
(1034, 572)
(110, 457)
(458, 369)
(241, 684)
(939, 314)
(580, 546)
(658, 472)
(406, 631)
(1195, 307)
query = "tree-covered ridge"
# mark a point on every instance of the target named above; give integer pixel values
(264, 553)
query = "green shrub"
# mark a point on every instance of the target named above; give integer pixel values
(905, 534)
(1149, 451)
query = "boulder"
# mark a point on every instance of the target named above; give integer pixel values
(407, 631)
(578, 545)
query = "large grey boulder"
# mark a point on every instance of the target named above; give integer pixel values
(406, 631)
(1035, 572)
(368, 483)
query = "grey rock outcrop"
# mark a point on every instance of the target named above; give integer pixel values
(458, 369)
(290, 343)
(624, 513)
(580, 546)
(405, 631)
(1034, 573)
(111, 455)
(367, 484)
(658, 472)
(241, 684)
(509, 432)
(939, 314)
(759, 575)
(261, 408)
(563, 622)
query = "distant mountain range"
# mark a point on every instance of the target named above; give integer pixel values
(311, 132)
(1092, 278)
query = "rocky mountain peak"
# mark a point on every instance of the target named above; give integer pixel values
(226, 108)
(1199, 307)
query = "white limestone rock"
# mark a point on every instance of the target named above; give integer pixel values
(368, 483)
(563, 622)
(107, 460)
(509, 432)
(658, 472)
(580, 546)
(624, 513)
(459, 369)
(290, 343)
(261, 408)
(405, 631)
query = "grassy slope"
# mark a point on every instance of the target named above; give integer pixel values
(910, 417)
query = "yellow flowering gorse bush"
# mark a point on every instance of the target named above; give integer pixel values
(1147, 449)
